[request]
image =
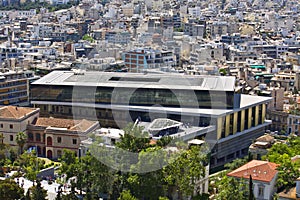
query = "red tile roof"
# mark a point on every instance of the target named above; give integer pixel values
(70, 124)
(259, 170)
(14, 112)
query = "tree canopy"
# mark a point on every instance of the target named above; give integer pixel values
(172, 171)
(10, 190)
(281, 153)
(37, 192)
(21, 140)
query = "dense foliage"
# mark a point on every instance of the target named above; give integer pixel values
(10, 190)
(281, 153)
(30, 164)
(36, 192)
(175, 175)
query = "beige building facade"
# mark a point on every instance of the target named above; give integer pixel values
(14, 120)
(51, 136)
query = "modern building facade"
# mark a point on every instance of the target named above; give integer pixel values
(117, 98)
(14, 87)
(140, 60)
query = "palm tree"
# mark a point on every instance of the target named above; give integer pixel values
(21, 140)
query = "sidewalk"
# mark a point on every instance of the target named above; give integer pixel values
(51, 189)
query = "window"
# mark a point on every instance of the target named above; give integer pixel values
(11, 126)
(11, 138)
(260, 191)
(74, 141)
(38, 137)
(49, 141)
(59, 153)
(1, 125)
(58, 139)
(30, 137)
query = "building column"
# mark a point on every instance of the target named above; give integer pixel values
(249, 117)
(219, 127)
(256, 114)
(263, 115)
(227, 122)
(242, 122)
(235, 121)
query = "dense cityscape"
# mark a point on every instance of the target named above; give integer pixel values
(149, 100)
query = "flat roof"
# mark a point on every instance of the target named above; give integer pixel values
(138, 80)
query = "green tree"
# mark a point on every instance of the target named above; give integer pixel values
(126, 195)
(186, 170)
(71, 196)
(231, 188)
(131, 143)
(281, 153)
(134, 139)
(251, 197)
(236, 163)
(164, 141)
(37, 192)
(27, 196)
(163, 198)
(148, 185)
(2, 145)
(88, 38)
(69, 162)
(223, 71)
(92, 175)
(288, 172)
(31, 164)
(21, 140)
(10, 190)
(59, 193)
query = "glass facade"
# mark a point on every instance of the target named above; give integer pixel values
(129, 96)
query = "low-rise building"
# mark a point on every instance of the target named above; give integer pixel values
(261, 145)
(293, 124)
(51, 136)
(264, 175)
(14, 120)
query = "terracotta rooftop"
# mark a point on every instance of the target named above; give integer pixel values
(259, 170)
(265, 138)
(15, 112)
(289, 194)
(70, 124)
(152, 142)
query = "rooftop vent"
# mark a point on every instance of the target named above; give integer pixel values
(134, 79)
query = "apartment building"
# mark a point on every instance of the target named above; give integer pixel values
(14, 87)
(286, 80)
(139, 60)
(293, 124)
(202, 54)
